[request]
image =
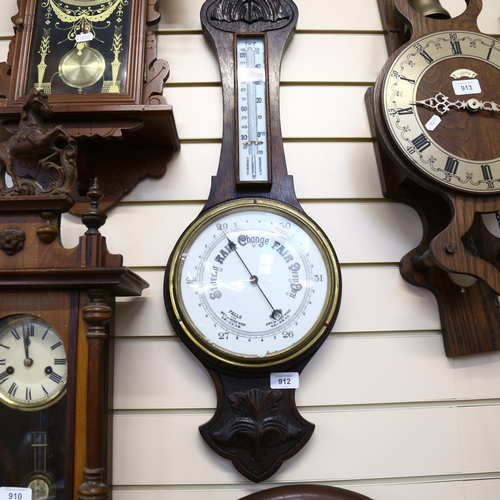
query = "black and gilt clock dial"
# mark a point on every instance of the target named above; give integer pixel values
(80, 46)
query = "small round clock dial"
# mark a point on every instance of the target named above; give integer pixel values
(441, 104)
(33, 366)
(42, 485)
(254, 283)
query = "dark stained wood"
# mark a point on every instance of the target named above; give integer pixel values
(224, 184)
(255, 427)
(261, 437)
(123, 137)
(74, 290)
(306, 492)
(455, 239)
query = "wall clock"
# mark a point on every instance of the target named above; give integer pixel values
(252, 287)
(96, 60)
(56, 328)
(435, 114)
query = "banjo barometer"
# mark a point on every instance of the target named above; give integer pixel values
(253, 285)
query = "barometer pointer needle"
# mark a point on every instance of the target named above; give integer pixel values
(277, 313)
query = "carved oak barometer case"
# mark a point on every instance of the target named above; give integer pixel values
(96, 60)
(435, 112)
(56, 323)
(253, 285)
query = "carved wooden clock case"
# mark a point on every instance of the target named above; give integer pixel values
(96, 59)
(252, 287)
(435, 116)
(56, 325)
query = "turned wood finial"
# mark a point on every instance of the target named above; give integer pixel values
(93, 217)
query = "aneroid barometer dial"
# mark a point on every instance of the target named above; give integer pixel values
(254, 283)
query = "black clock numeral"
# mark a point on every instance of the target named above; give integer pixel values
(428, 59)
(487, 175)
(405, 111)
(409, 80)
(45, 334)
(56, 345)
(55, 378)
(3, 377)
(451, 165)
(15, 334)
(5, 346)
(3, 362)
(489, 53)
(28, 394)
(456, 49)
(421, 142)
(31, 330)
(45, 391)
(13, 389)
(59, 361)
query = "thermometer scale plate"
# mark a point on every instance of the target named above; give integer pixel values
(252, 109)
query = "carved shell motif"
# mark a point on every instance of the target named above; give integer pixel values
(250, 11)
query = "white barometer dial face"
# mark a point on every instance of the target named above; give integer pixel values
(254, 282)
(441, 102)
(33, 366)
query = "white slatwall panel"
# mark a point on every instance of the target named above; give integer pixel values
(395, 419)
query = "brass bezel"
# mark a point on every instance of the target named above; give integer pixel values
(46, 402)
(291, 354)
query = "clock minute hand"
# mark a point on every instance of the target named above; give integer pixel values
(27, 361)
(277, 313)
(442, 104)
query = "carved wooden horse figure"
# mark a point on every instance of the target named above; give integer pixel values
(31, 140)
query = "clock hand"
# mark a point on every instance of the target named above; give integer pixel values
(277, 313)
(442, 104)
(28, 361)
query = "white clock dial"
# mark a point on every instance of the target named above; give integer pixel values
(252, 109)
(33, 366)
(440, 100)
(254, 282)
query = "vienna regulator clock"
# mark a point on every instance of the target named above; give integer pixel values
(435, 111)
(56, 324)
(253, 285)
(96, 60)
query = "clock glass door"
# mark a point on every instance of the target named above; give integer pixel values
(80, 46)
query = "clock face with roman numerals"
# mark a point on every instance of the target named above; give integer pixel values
(33, 366)
(441, 102)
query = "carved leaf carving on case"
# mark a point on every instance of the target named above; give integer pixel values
(249, 11)
(257, 424)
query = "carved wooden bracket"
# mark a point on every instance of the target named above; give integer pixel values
(121, 138)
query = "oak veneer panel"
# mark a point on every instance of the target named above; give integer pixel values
(310, 57)
(383, 231)
(345, 169)
(345, 445)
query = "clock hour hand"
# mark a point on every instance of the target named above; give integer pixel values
(442, 104)
(277, 313)
(26, 340)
